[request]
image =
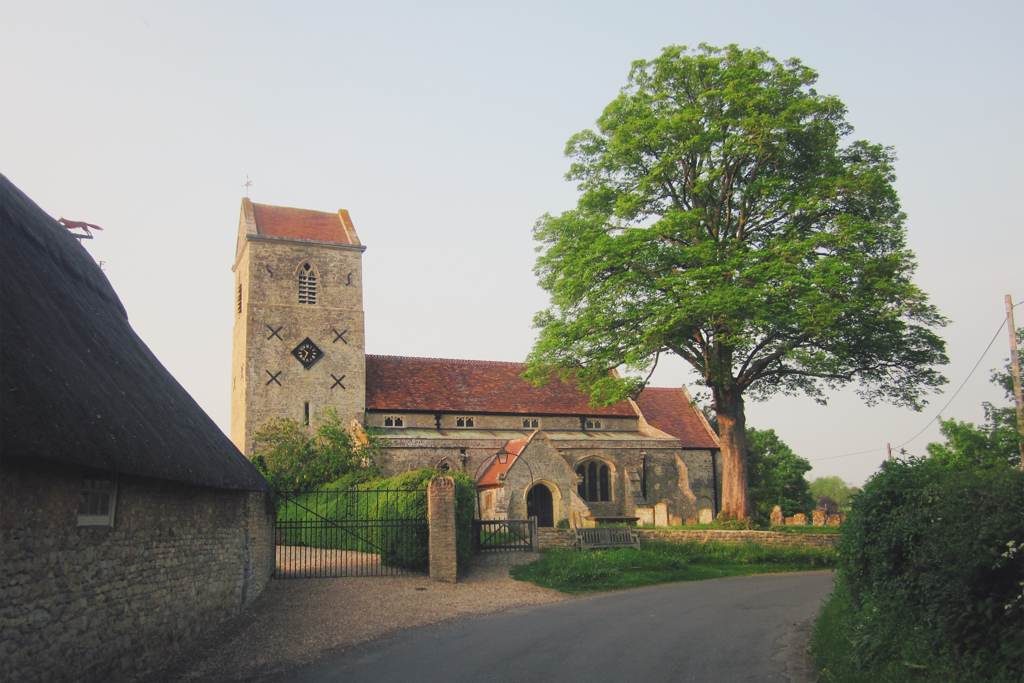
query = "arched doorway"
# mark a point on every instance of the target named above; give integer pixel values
(539, 505)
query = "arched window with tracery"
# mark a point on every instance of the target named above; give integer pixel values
(594, 481)
(307, 284)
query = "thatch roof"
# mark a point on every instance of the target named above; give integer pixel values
(78, 385)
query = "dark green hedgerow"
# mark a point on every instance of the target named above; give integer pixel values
(575, 571)
(930, 584)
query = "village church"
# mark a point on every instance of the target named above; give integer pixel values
(299, 347)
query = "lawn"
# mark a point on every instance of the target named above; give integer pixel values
(727, 526)
(584, 571)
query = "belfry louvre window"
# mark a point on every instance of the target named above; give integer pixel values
(393, 421)
(307, 284)
(464, 422)
(530, 423)
(594, 481)
(593, 423)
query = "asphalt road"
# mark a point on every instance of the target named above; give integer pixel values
(751, 628)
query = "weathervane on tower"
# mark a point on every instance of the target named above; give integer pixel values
(246, 185)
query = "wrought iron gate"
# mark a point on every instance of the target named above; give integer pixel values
(353, 532)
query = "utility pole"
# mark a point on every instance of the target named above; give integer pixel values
(888, 450)
(1015, 374)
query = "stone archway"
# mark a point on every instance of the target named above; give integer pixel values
(539, 504)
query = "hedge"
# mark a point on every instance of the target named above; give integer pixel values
(930, 583)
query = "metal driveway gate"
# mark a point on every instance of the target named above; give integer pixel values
(352, 532)
(503, 535)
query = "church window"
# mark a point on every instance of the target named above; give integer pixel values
(594, 481)
(96, 501)
(464, 422)
(393, 421)
(307, 284)
(592, 423)
(530, 423)
(305, 413)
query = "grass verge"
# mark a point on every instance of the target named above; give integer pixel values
(732, 526)
(574, 571)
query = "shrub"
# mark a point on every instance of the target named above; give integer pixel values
(292, 459)
(465, 512)
(929, 577)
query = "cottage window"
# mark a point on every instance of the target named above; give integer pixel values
(594, 481)
(393, 421)
(592, 423)
(307, 284)
(530, 423)
(97, 499)
(464, 422)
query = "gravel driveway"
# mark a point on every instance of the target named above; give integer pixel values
(296, 621)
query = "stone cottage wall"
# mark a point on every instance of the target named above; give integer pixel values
(92, 603)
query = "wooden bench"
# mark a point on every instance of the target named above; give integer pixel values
(607, 537)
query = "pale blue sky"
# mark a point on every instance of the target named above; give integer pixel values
(441, 129)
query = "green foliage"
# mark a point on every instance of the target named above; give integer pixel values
(400, 497)
(574, 571)
(465, 512)
(292, 459)
(776, 476)
(930, 575)
(395, 498)
(995, 443)
(835, 489)
(723, 218)
(747, 525)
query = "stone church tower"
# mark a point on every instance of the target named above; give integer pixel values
(298, 343)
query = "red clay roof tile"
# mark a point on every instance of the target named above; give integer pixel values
(495, 469)
(304, 224)
(670, 411)
(472, 386)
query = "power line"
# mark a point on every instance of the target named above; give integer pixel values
(846, 455)
(928, 424)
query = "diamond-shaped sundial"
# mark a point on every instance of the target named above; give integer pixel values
(307, 353)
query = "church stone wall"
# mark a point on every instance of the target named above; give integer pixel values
(274, 383)
(98, 603)
(375, 418)
(540, 463)
(679, 482)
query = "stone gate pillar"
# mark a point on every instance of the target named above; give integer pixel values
(441, 520)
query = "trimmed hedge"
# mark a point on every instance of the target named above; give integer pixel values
(930, 587)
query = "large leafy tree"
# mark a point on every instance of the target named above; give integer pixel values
(835, 489)
(724, 218)
(776, 475)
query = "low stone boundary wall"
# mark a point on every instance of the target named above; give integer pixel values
(745, 536)
(555, 538)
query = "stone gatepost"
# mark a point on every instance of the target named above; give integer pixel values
(444, 565)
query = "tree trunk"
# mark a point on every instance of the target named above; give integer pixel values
(732, 432)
